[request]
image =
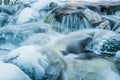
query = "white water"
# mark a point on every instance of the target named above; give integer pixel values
(32, 48)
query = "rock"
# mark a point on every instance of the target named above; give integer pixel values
(68, 19)
(45, 5)
(27, 15)
(78, 45)
(29, 60)
(106, 42)
(46, 64)
(92, 16)
(39, 63)
(104, 25)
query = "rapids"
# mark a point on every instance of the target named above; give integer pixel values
(55, 40)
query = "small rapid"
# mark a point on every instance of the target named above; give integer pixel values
(53, 40)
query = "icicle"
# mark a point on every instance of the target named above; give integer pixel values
(67, 27)
(71, 22)
(75, 22)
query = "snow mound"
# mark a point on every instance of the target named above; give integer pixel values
(27, 15)
(29, 60)
(92, 16)
(37, 62)
(105, 42)
(11, 72)
(42, 4)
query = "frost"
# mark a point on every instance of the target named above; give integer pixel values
(92, 16)
(100, 40)
(3, 19)
(27, 15)
(38, 39)
(11, 72)
(30, 60)
(36, 62)
(17, 33)
(42, 4)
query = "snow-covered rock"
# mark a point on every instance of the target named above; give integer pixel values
(11, 72)
(92, 16)
(37, 62)
(42, 4)
(30, 61)
(12, 36)
(27, 15)
(106, 42)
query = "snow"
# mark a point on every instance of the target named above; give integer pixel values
(38, 39)
(30, 60)
(23, 1)
(117, 54)
(11, 72)
(42, 4)
(100, 38)
(92, 16)
(17, 33)
(89, 0)
(3, 19)
(27, 15)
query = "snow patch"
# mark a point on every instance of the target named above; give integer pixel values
(11, 72)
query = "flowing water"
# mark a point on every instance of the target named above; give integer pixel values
(33, 36)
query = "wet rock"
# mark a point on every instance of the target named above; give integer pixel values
(78, 45)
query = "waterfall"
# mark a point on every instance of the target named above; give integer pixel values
(67, 23)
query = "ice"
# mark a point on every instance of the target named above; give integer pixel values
(92, 16)
(41, 4)
(27, 15)
(38, 39)
(19, 32)
(12, 36)
(39, 63)
(22, 1)
(100, 38)
(11, 72)
(30, 60)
